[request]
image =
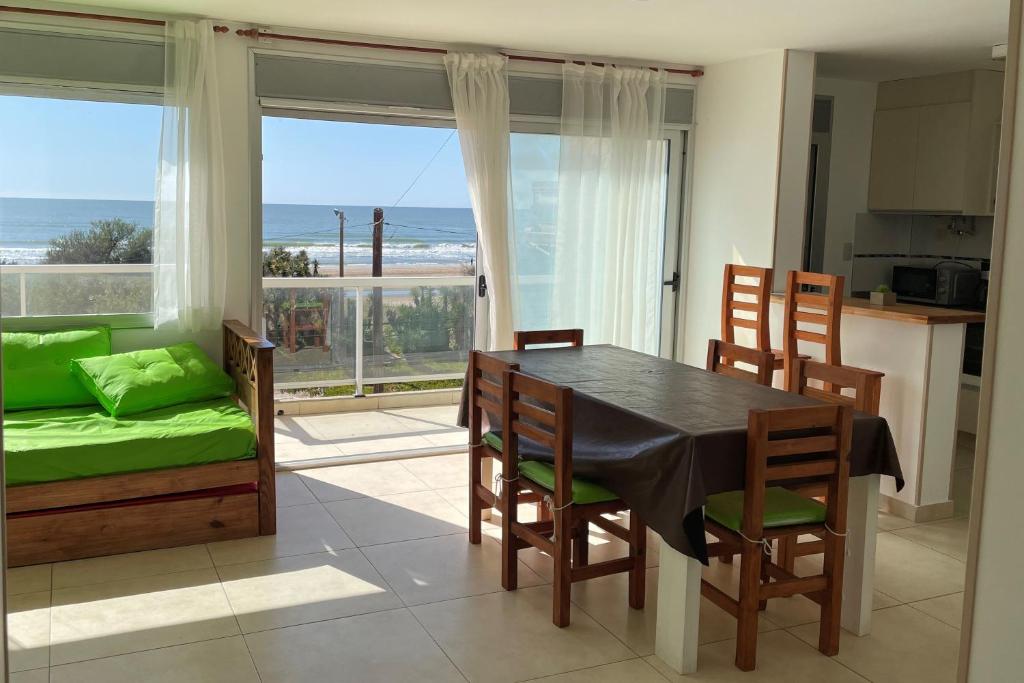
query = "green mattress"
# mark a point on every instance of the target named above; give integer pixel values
(74, 443)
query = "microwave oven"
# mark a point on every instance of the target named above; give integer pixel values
(947, 284)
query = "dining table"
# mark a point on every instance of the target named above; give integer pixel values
(664, 436)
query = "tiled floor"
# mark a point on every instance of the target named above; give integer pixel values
(371, 578)
(428, 429)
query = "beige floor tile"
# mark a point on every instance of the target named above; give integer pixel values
(910, 572)
(949, 537)
(435, 569)
(606, 600)
(33, 676)
(436, 416)
(28, 630)
(458, 496)
(297, 590)
(116, 618)
(385, 443)
(345, 482)
(888, 522)
(782, 658)
(352, 426)
(224, 660)
(946, 608)
(383, 647)
(442, 471)
(29, 579)
(291, 491)
(632, 670)
(301, 530)
(403, 517)
(130, 566)
(296, 452)
(904, 646)
(456, 438)
(293, 430)
(508, 636)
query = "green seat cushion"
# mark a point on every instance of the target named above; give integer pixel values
(493, 440)
(781, 508)
(139, 381)
(74, 443)
(583, 491)
(37, 367)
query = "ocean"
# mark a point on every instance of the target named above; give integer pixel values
(412, 235)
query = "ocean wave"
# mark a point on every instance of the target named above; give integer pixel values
(421, 253)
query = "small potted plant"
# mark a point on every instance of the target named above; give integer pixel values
(883, 296)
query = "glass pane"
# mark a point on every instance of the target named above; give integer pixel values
(327, 184)
(81, 194)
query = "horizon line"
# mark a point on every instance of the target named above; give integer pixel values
(337, 204)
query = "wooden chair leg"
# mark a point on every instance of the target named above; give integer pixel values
(787, 553)
(725, 559)
(475, 504)
(831, 605)
(638, 551)
(543, 512)
(746, 629)
(508, 504)
(563, 569)
(581, 544)
(762, 605)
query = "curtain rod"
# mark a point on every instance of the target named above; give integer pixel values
(257, 34)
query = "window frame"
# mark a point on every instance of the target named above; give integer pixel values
(67, 90)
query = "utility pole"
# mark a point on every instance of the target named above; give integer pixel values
(378, 294)
(338, 300)
(341, 241)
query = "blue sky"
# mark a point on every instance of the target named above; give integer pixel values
(100, 150)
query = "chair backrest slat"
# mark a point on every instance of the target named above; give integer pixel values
(758, 282)
(523, 339)
(723, 356)
(817, 440)
(866, 384)
(541, 412)
(486, 392)
(826, 314)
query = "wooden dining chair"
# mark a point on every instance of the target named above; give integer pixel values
(751, 311)
(486, 375)
(542, 413)
(866, 386)
(723, 356)
(523, 339)
(821, 310)
(788, 443)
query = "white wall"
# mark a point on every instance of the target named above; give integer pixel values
(733, 205)
(998, 616)
(793, 165)
(853, 115)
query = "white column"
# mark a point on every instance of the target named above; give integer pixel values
(675, 638)
(859, 574)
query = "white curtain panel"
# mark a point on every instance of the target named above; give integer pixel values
(479, 85)
(611, 191)
(189, 241)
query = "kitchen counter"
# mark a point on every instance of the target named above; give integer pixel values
(909, 313)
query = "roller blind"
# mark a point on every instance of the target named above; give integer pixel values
(300, 78)
(83, 58)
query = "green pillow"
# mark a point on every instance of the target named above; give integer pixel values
(37, 367)
(129, 383)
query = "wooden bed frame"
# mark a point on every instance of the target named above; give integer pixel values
(180, 506)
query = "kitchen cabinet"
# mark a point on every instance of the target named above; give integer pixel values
(935, 143)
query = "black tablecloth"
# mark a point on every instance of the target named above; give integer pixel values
(663, 436)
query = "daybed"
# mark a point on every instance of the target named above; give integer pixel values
(82, 483)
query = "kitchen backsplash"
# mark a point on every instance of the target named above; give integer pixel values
(881, 241)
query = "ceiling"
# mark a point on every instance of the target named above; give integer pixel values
(864, 39)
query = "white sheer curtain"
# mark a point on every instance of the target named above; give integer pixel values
(189, 241)
(611, 192)
(479, 86)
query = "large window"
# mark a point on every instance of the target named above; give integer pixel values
(327, 187)
(77, 182)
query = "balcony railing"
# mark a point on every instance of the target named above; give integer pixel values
(40, 290)
(359, 331)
